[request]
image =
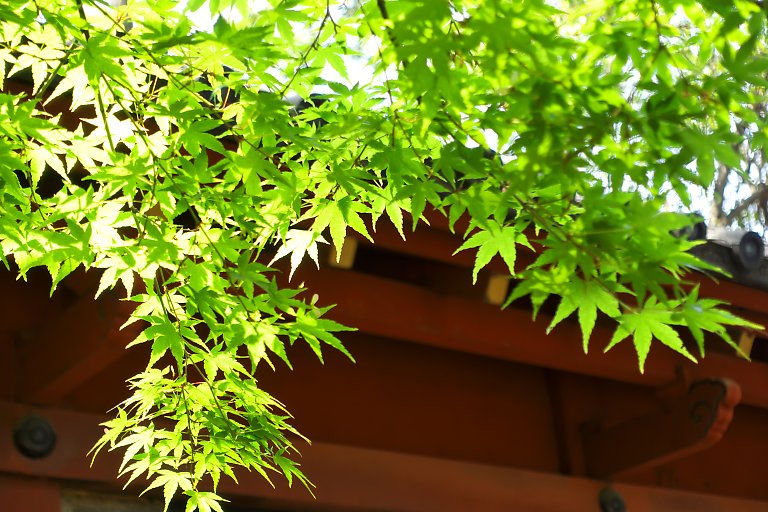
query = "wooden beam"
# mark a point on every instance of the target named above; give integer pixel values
(411, 398)
(365, 480)
(75, 433)
(72, 348)
(434, 245)
(21, 494)
(748, 298)
(437, 243)
(691, 424)
(411, 313)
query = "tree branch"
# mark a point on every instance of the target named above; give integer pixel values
(761, 194)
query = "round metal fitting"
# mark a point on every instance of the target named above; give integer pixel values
(34, 437)
(611, 501)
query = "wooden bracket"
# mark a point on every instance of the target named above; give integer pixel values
(688, 425)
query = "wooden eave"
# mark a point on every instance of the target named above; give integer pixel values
(442, 377)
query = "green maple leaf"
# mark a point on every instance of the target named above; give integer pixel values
(337, 215)
(299, 242)
(497, 239)
(644, 325)
(586, 297)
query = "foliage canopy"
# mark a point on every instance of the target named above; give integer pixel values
(564, 129)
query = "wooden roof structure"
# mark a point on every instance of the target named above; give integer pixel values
(453, 404)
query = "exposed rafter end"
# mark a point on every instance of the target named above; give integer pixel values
(497, 290)
(347, 258)
(746, 340)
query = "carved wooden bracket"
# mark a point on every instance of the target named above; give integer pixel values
(687, 425)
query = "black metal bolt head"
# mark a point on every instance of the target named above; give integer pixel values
(34, 437)
(751, 251)
(611, 501)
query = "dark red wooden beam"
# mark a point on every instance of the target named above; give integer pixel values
(411, 313)
(437, 243)
(430, 244)
(23, 494)
(349, 478)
